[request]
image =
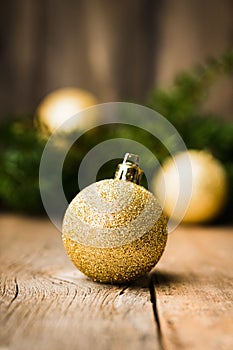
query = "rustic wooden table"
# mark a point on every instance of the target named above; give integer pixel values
(186, 303)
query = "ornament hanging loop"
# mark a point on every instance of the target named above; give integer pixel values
(129, 169)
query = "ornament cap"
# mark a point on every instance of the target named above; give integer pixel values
(129, 169)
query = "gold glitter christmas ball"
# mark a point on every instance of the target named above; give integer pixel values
(58, 106)
(209, 186)
(114, 231)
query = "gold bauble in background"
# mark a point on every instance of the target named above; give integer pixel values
(114, 231)
(209, 186)
(58, 106)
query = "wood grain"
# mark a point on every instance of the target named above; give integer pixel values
(194, 289)
(47, 304)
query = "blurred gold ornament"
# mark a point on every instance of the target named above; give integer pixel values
(209, 186)
(114, 230)
(62, 104)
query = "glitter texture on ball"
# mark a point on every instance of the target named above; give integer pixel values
(114, 231)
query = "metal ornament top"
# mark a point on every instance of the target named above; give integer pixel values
(129, 170)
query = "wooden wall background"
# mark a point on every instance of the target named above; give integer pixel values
(118, 50)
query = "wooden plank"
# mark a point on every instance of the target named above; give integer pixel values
(194, 289)
(48, 304)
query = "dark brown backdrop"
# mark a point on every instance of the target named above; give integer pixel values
(118, 50)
